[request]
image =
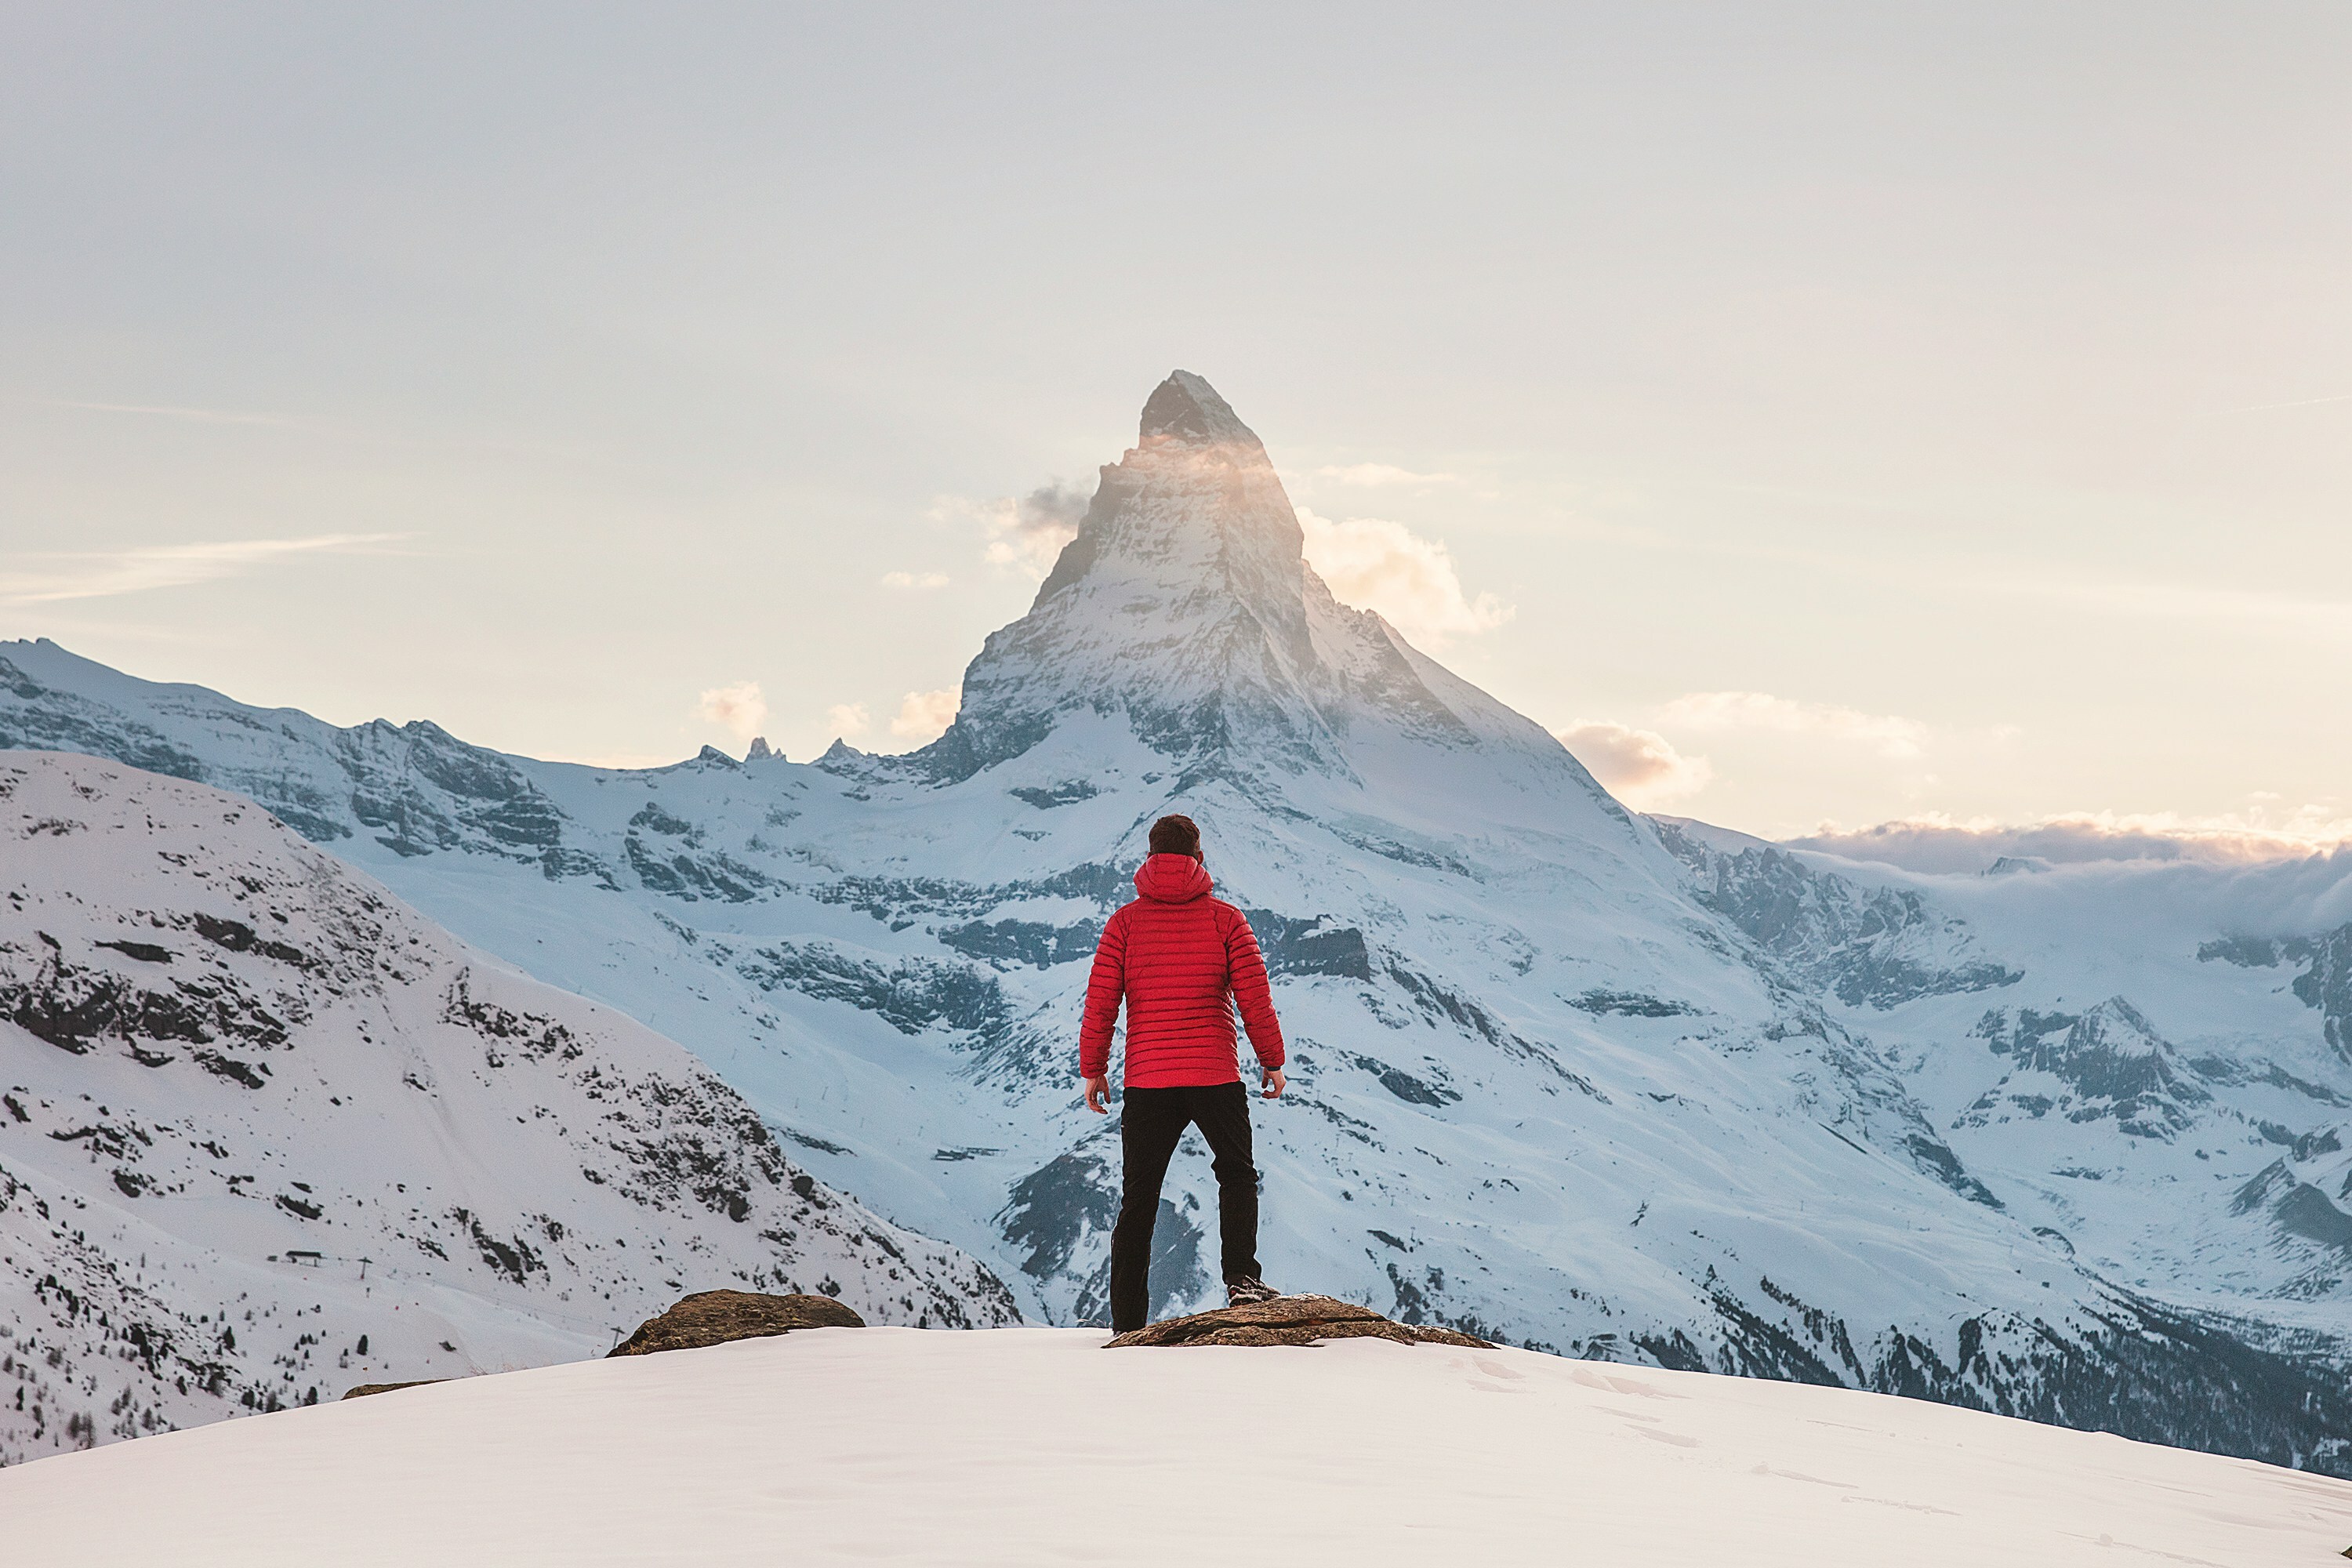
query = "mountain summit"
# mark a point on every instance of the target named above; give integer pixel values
(1185, 408)
(1185, 606)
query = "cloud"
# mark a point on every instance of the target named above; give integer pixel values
(1409, 581)
(2297, 403)
(1640, 767)
(1936, 843)
(925, 716)
(620, 762)
(1378, 476)
(170, 411)
(1893, 737)
(848, 718)
(739, 707)
(914, 579)
(102, 575)
(1025, 533)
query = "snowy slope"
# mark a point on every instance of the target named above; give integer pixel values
(1563, 1075)
(2165, 1078)
(1028, 1446)
(266, 1133)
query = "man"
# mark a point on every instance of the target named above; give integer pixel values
(1183, 962)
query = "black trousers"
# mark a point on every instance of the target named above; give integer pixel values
(1151, 1123)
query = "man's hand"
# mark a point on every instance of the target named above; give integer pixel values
(1274, 1083)
(1097, 1094)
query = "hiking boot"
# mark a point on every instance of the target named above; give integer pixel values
(1242, 1292)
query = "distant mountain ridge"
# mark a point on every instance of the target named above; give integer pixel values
(1563, 1075)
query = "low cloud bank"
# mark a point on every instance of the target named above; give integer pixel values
(1938, 844)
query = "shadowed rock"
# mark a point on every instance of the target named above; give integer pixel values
(715, 1317)
(1290, 1321)
(360, 1391)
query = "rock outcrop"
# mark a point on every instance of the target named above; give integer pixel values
(715, 1317)
(1290, 1321)
(360, 1391)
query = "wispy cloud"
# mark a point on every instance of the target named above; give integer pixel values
(1640, 767)
(925, 716)
(739, 707)
(194, 416)
(1383, 476)
(1023, 533)
(1890, 736)
(1411, 582)
(2296, 403)
(914, 579)
(49, 577)
(848, 718)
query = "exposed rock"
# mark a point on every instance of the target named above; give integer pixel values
(1290, 1321)
(360, 1391)
(715, 1317)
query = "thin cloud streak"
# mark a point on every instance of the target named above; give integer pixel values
(111, 574)
(168, 411)
(2266, 407)
(1381, 476)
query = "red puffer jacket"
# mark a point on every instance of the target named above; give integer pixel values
(1182, 960)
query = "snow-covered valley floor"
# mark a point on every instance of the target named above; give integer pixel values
(1036, 1446)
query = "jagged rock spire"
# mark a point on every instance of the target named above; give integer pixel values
(1186, 409)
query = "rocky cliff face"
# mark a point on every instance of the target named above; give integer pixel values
(266, 1133)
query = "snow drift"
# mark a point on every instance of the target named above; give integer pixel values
(1028, 1446)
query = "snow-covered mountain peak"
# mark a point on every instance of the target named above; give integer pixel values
(1185, 608)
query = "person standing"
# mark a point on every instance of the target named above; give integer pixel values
(1183, 963)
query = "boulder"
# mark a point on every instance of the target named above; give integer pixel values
(1290, 1321)
(715, 1317)
(362, 1390)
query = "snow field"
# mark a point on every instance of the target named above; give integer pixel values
(1033, 1446)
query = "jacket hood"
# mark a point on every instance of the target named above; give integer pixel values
(1173, 878)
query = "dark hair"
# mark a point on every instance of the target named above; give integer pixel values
(1175, 836)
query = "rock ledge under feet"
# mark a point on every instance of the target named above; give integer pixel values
(1290, 1321)
(715, 1317)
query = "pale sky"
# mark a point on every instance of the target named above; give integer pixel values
(1823, 412)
